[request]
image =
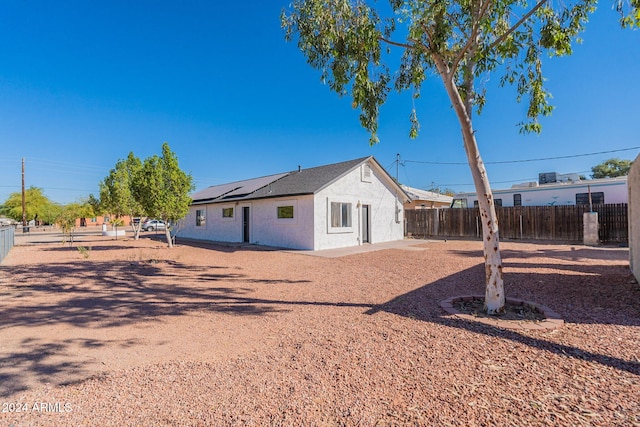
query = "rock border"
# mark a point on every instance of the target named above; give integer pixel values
(552, 319)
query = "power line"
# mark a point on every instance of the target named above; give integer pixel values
(525, 160)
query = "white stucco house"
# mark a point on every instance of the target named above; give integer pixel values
(339, 205)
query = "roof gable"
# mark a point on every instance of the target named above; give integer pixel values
(306, 181)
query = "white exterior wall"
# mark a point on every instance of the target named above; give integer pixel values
(310, 228)
(268, 229)
(265, 228)
(352, 189)
(216, 228)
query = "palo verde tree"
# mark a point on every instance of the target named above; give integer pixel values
(37, 206)
(462, 42)
(162, 189)
(611, 168)
(117, 192)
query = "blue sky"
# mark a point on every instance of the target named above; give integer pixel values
(83, 83)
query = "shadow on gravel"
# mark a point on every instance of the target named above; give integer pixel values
(97, 294)
(90, 294)
(226, 247)
(574, 253)
(596, 294)
(76, 245)
(45, 361)
(119, 293)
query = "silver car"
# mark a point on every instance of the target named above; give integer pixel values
(153, 224)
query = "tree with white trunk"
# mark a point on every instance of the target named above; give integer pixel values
(462, 41)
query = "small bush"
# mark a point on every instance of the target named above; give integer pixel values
(84, 251)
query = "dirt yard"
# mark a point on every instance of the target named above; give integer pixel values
(130, 333)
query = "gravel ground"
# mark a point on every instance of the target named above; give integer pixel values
(129, 333)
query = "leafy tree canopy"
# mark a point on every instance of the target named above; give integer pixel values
(162, 188)
(460, 40)
(117, 189)
(611, 168)
(37, 206)
(629, 11)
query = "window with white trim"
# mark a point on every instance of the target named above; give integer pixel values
(340, 215)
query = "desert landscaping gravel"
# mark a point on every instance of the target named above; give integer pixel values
(131, 333)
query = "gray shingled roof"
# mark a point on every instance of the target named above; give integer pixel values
(305, 181)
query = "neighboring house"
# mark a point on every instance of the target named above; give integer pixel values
(333, 206)
(551, 192)
(97, 221)
(422, 199)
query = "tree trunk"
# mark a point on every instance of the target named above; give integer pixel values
(136, 229)
(494, 292)
(167, 233)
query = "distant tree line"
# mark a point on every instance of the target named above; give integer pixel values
(155, 188)
(611, 168)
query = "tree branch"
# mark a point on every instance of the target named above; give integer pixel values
(517, 24)
(473, 35)
(392, 43)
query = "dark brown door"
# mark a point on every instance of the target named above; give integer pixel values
(366, 224)
(245, 224)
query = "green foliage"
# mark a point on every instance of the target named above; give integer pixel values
(162, 188)
(117, 189)
(66, 219)
(156, 188)
(629, 11)
(95, 204)
(84, 251)
(462, 41)
(611, 168)
(37, 206)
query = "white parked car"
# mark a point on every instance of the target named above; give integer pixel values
(153, 224)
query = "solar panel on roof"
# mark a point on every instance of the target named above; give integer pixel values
(254, 184)
(235, 189)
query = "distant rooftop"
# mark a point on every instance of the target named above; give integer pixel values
(418, 194)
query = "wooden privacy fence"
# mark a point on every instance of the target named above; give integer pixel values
(562, 223)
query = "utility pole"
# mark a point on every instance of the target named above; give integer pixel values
(24, 204)
(397, 164)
